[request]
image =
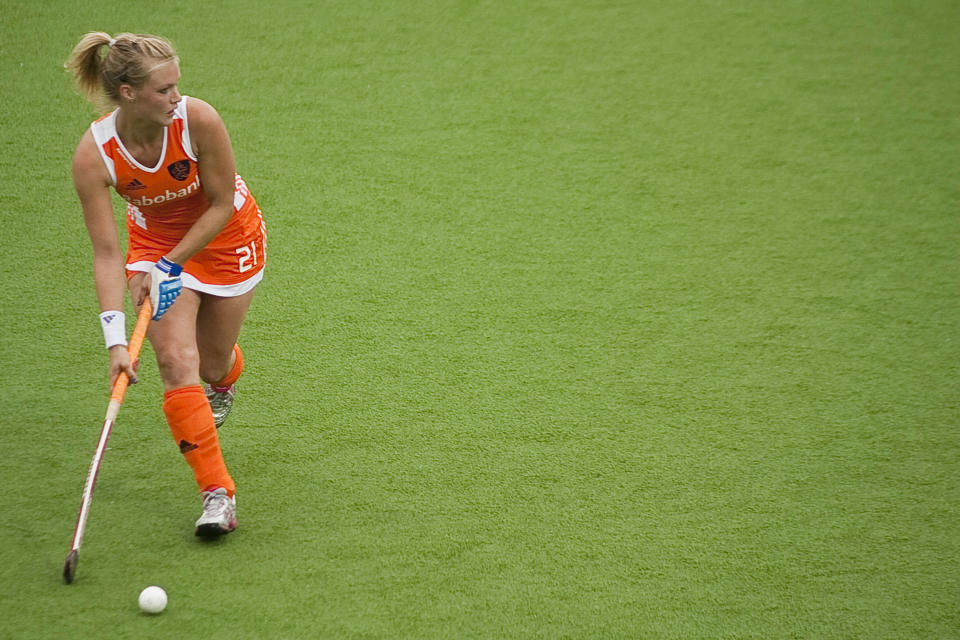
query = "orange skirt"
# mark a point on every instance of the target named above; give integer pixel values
(230, 265)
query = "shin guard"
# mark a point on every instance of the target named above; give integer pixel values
(191, 423)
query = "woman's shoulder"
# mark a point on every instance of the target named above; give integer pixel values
(200, 111)
(205, 127)
(87, 163)
(86, 148)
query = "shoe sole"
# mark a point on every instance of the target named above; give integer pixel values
(213, 530)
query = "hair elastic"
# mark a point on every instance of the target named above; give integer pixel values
(112, 42)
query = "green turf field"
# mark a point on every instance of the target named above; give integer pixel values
(589, 320)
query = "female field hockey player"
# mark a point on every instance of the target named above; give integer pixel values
(197, 241)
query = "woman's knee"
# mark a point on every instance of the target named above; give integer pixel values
(179, 365)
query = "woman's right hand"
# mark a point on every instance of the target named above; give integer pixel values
(120, 363)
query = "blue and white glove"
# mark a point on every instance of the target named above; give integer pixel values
(165, 286)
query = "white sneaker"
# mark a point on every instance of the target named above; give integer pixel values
(221, 401)
(219, 513)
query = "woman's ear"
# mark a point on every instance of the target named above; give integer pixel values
(127, 93)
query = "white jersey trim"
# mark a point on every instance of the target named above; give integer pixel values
(140, 165)
(185, 138)
(191, 282)
(102, 132)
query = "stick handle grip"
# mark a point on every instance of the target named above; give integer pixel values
(136, 342)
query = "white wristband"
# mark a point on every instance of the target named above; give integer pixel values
(114, 325)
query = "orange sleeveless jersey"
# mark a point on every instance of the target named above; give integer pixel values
(164, 201)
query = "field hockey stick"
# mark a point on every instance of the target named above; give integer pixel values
(116, 399)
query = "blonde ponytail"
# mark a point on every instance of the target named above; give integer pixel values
(85, 64)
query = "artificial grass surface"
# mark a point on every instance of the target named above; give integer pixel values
(581, 320)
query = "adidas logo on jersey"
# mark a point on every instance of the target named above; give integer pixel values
(134, 185)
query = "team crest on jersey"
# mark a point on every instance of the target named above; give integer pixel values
(180, 169)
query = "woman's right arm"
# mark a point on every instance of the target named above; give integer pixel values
(92, 182)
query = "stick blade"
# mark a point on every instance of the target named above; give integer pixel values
(70, 566)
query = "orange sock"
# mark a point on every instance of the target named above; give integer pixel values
(191, 423)
(235, 372)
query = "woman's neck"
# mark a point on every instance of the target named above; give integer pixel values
(137, 132)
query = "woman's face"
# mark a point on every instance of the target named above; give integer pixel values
(158, 97)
